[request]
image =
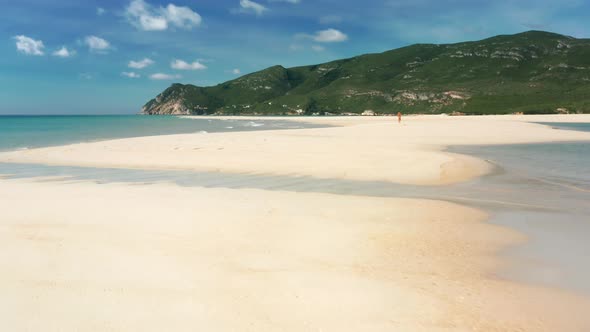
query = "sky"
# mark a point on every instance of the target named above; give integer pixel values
(111, 57)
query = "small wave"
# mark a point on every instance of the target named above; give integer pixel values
(253, 124)
(203, 132)
(230, 127)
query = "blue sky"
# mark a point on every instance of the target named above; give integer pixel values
(87, 57)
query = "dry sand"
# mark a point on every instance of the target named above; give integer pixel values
(87, 257)
(374, 148)
(79, 256)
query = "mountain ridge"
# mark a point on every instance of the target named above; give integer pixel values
(528, 72)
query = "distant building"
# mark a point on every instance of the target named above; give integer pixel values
(562, 110)
(368, 113)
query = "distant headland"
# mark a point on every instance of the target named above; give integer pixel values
(533, 72)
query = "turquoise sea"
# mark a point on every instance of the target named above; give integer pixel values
(22, 132)
(541, 190)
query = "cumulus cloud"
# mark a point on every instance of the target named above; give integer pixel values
(28, 45)
(162, 76)
(100, 11)
(63, 52)
(144, 17)
(149, 18)
(130, 74)
(183, 65)
(140, 64)
(97, 44)
(330, 36)
(289, 1)
(182, 17)
(236, 71)
(251, 6)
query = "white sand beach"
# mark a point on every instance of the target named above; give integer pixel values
(361, 148)
(81, 256)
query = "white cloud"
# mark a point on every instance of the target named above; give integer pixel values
(330, 36)
(236, 71)
(289, 1)
(318, 48)
(149, 18)
(140, 64)
(162, 76)
(142, 16)
(153, 23)
(182, 65)
(130, 74)
(63, 52)
(100, 11)
(182, 17)
(97, 44)
(251, 6)
(28, 45)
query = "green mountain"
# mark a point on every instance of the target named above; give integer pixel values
(530, 72)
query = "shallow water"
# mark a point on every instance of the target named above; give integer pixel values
(541, 190)
(546, 190)
(21, 132)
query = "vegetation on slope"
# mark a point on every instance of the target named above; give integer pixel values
(530, 72)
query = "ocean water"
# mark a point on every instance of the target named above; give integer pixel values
(22, 132)
(541, 190)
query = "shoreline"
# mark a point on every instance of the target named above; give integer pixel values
(413, 153)
(443, 256)
(43, 132)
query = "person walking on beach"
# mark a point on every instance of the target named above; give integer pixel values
(399, 117)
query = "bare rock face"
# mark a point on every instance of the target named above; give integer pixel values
(169, 102)
(169, 107)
